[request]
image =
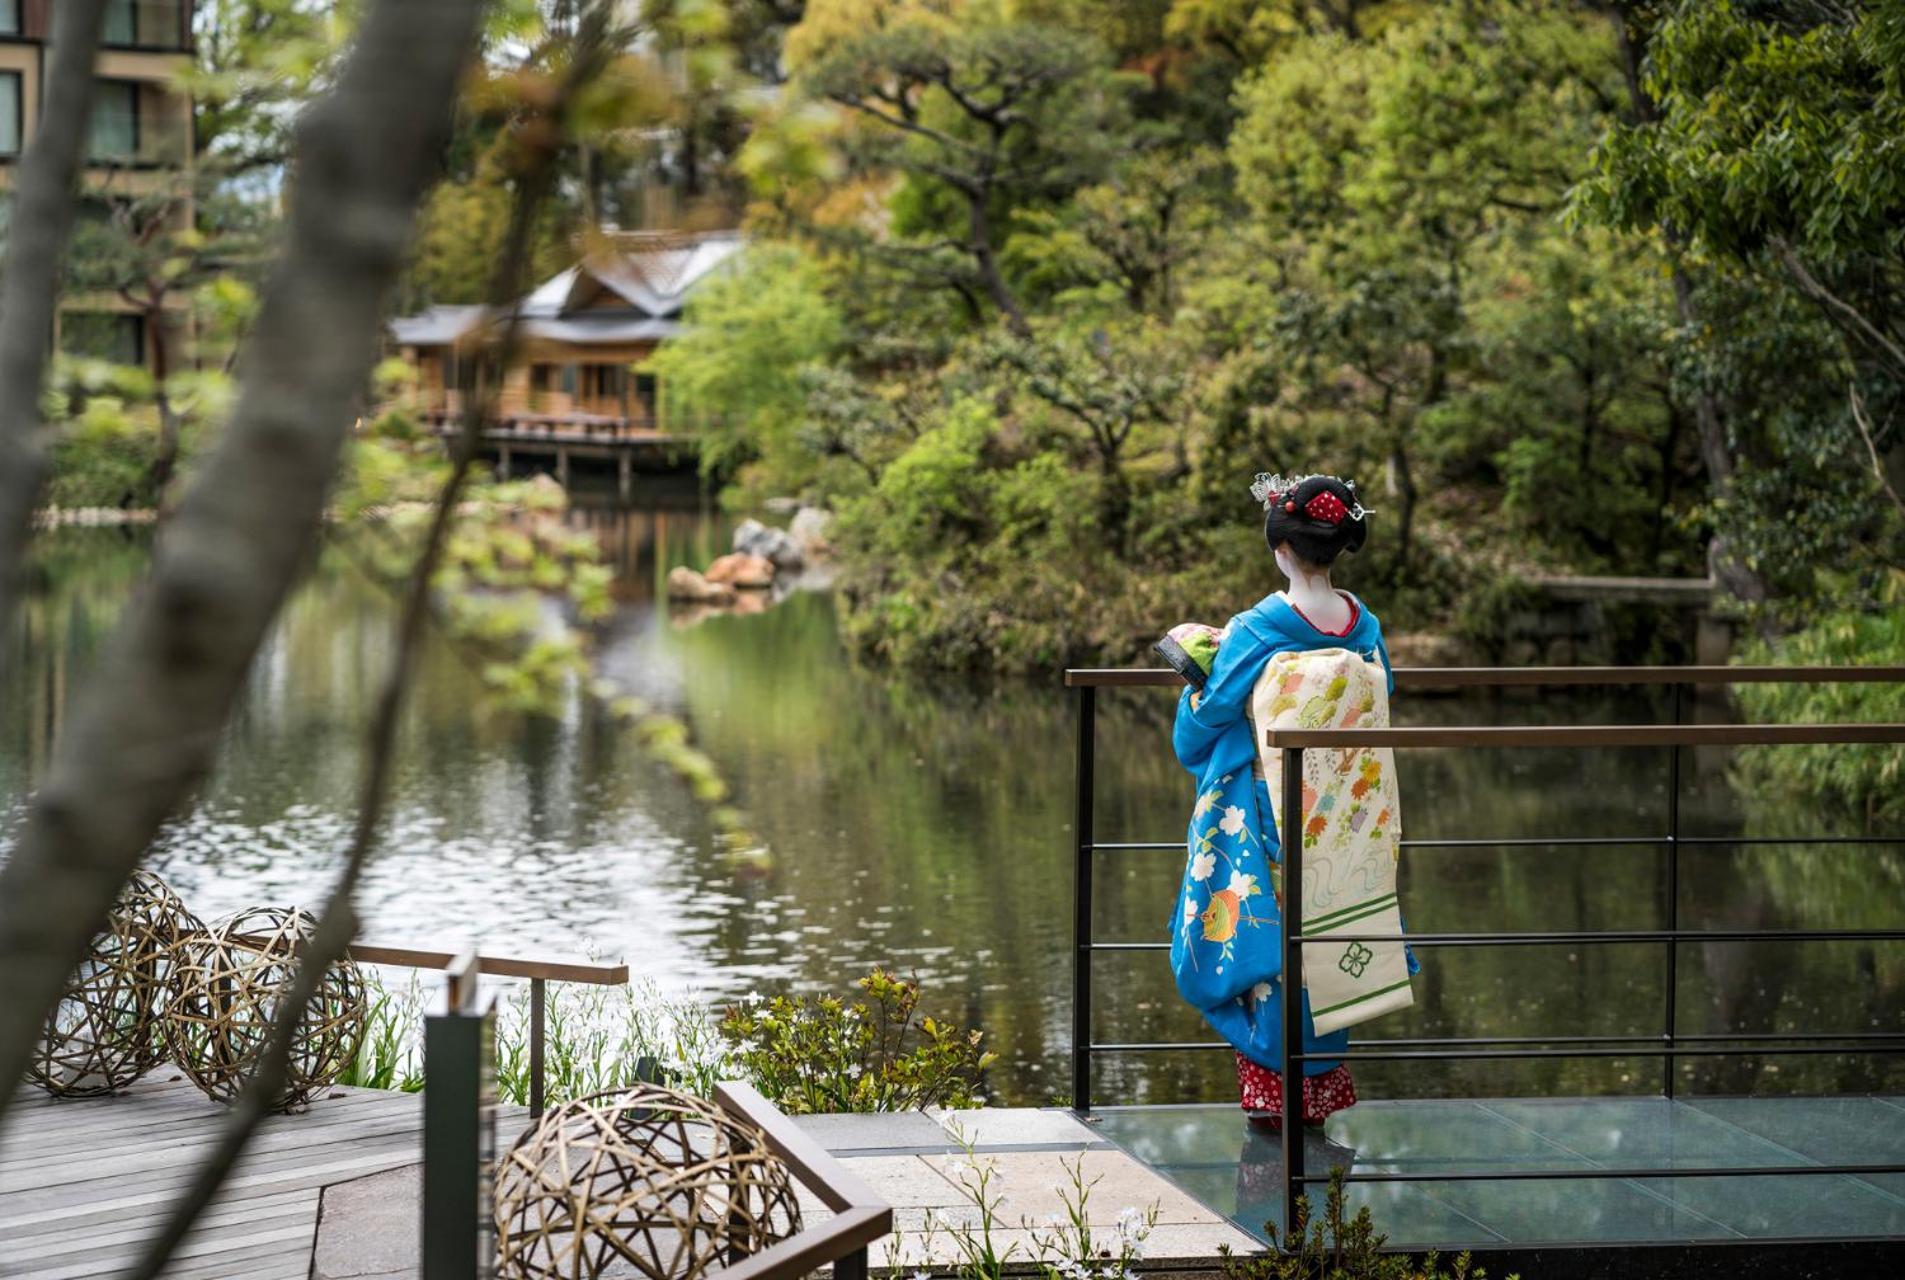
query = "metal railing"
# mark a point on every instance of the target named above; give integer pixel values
(1669, 1045)
(540, 974)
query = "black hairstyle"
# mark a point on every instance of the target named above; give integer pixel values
(1293, 514)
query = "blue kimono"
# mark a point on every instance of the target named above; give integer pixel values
(1228, 960)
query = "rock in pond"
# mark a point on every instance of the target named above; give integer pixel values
(738, 569)
(685, 584)
(809, 528)
(753, 538)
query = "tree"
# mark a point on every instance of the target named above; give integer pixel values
(737, 371)
(980, 113)
(1755, 151)
(143, 731)
(1387, 181)
(41, 221)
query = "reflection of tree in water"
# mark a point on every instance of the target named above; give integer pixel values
(78, 581)
(1817, 987)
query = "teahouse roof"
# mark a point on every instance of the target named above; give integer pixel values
(633, 291)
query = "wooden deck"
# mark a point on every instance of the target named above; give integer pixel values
(84, 1182)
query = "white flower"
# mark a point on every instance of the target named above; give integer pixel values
(958, 1169)
(1243, 884)
(1233, 821)
(1205, 803)
(1190, 909)
(1202, 865)
(1261, 991)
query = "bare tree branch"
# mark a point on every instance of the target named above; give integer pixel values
(337, 924)
(1871, 445)
(43, 202)
(142, 734)
(1848, 315)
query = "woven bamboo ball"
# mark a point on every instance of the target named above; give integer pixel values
(229, 982)
(105, 1031)
(644, 1182)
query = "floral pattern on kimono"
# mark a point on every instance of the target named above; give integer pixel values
(1226, 926)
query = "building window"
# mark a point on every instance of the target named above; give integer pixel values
(115, 135)
(10, 124)
(102, 335)
(144, 24)
(9, 17)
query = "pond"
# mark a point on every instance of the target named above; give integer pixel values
(922, 824)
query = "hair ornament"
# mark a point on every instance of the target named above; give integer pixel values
(1326, 508)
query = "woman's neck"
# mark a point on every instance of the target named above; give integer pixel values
(1311, 593)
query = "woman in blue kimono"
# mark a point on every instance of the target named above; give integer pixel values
(1231, 974)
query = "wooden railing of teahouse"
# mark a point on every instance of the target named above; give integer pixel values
(1670, 1044)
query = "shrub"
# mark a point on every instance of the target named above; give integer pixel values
(1864, 780)
(1339, 1248)
(820, 1054)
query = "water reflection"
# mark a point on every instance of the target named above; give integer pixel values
(922, 824)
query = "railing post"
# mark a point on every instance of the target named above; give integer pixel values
(459, 1131)
(538, 1094)
(851, 1267)
(1290, 845)
(1085, 761)
(1670, 1026)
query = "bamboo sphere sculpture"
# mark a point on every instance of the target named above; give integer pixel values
(230, 980)
(644, 1182)
(105, 1032)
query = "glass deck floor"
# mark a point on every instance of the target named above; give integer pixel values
(1212, 1153)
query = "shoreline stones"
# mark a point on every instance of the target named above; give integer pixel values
(739, 569)
(689, 587)
(809, 528)
(753, 538)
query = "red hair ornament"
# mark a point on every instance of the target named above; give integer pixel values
(1326, 507)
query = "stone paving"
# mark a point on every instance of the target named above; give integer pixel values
(1028, 1157)
(917, 1162)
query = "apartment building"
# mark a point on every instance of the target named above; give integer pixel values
(140, 143)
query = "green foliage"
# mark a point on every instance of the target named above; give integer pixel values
(101, 461)
(517, 584)
(1758, 161)
(806, 1054)
(596, 1039)
(1337, 1247)
(737, 375)
(814, 1054)
(1867, 782)
(1773, 123)
(457, 232)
